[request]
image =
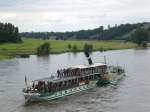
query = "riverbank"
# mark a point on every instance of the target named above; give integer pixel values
(29, 46)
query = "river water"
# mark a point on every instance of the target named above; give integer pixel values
(131, 95)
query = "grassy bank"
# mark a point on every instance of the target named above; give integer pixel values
(58, 46)
(2, 57)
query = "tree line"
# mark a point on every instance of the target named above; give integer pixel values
(99, 33)
(140, 34)
(9, 33)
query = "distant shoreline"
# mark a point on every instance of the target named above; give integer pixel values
(28, 47)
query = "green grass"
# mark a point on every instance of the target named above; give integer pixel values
(2, 57)
(27, 47)
(58, 46)
(62, 46)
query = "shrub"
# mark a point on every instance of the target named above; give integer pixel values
(144, 44)
(88, 48)
(43, 49)
(69, 46)
(74, 48)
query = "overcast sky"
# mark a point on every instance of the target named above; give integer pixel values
(70, 15)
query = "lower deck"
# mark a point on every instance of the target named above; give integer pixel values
(59, 94)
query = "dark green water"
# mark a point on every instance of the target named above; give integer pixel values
(131, 95)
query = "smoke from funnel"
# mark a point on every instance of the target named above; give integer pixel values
(88, 57)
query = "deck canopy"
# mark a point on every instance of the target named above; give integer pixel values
(88, 66)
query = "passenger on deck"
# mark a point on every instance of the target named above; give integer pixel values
(64, 75)
(58, 73)
(67, 72)
(61, 73)
(70, 72)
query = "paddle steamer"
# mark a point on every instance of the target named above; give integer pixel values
(72, 80)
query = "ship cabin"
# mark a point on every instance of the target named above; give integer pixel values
(69, 78)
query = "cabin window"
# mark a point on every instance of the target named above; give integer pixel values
(99, 69)
(90, 70)
(80, 71)
(90, 77)
(86, 71)
(83, 72)
(70, 82)
(73, 81)
(86, 78)
(95, 76)
(65, 83)
(60, 84)
(81, 79)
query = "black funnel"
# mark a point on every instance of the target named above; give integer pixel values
(88, 57)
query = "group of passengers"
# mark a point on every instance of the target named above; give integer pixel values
(77, 72)
(67, 72)
(42, 86)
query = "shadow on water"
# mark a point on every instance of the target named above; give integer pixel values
(44, 103)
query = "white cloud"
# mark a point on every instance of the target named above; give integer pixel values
(68, 15)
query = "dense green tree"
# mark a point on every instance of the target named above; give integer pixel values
(140, 35)
(9, 33)
(113, 32)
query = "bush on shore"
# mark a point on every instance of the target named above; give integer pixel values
(43, 49)
(74, 48)
(88, 47)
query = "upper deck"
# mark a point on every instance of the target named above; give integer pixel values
(55, 79)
